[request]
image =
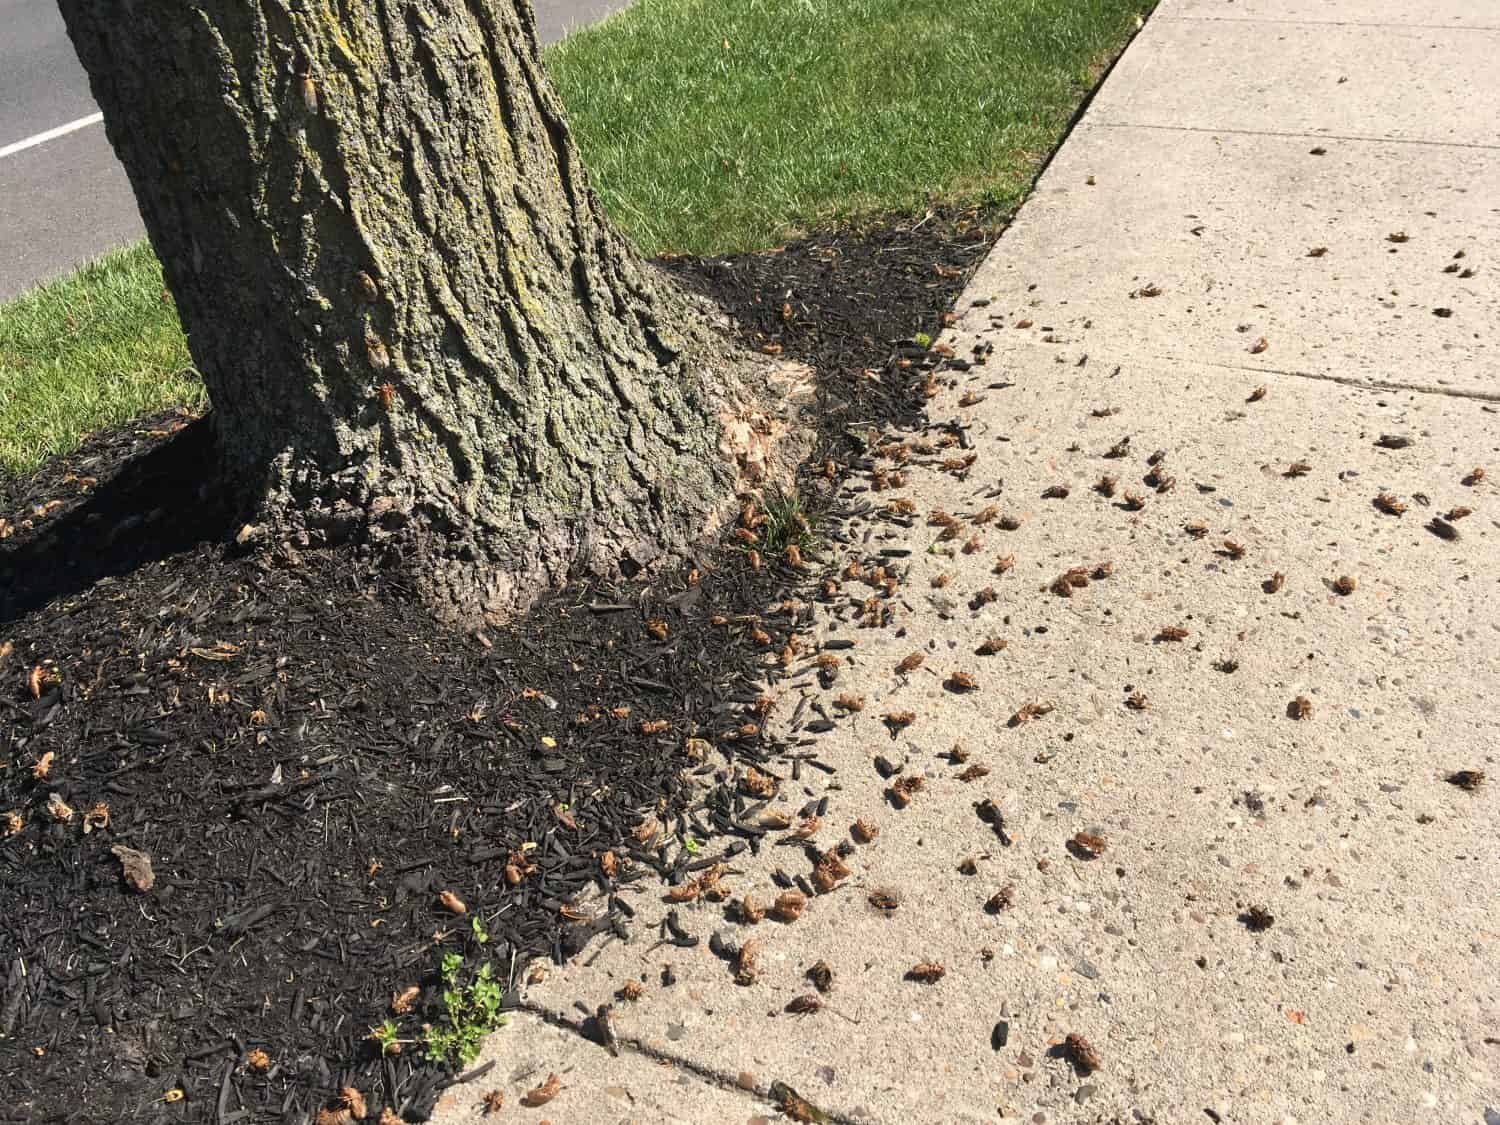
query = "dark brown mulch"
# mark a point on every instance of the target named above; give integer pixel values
(309, 763)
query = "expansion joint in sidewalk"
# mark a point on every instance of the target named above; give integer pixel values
(709, 1074)
(1097, 124)
(1348, 380)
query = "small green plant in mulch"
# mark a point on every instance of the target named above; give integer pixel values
(470, 1012)
(787, 524)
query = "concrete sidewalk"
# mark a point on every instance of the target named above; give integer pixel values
(1270, 250)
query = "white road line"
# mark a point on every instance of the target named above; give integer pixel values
(51, 134)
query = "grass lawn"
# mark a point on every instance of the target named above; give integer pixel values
(709, 127)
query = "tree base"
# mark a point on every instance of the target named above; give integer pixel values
(474, 572)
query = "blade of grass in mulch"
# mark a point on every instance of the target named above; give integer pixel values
(311, 765)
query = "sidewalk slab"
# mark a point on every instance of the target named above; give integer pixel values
(1224, 226)
(1422, 84)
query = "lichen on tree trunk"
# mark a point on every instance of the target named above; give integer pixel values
(413, 320)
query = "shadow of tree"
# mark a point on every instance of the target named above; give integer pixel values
(158, 502)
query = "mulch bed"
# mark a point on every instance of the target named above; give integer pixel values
(310, 763)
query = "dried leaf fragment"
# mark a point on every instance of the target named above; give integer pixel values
(821, 975)
(746, 964)
(850, 702)
(1388, 504)
(864, 831)
(991, 646)
(900, 719)
(1468, 780)
(352, 1100)
(1082, 1053)
(1137, 701)
(1171, 633)
(911, 663)
(1001, 900)
(39, 679)
(402, 1002)
(793, 1105)
(258, 1060)
(1300, 708)
(135, 867)
(903, 789)
(1273, 584)
(1029, 711)
(926, 972)
(974, 772)
(11, 823)
(1257, 394)
(1345, 584)
(1476, 475)
(43, 766)
(1442, 528)
(1259, 346)
(541, 1095)
(788, 906)
(758, 784)
(1090, 844)
(1257, 919)
(960, 681)
(97, 817)
(452, 903)
(884, 898)
(58, 809)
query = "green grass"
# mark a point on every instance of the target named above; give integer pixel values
(709, 127)
(87, 352)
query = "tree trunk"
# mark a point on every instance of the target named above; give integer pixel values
(412, 318)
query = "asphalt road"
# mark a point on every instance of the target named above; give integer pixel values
(65, 199)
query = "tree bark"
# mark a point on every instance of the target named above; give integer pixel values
(413, 320)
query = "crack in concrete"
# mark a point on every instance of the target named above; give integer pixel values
(1293, 133)
(1329, 23)
(1345, 380)
(709, 1074)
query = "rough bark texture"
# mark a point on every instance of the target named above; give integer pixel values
(412, 318)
